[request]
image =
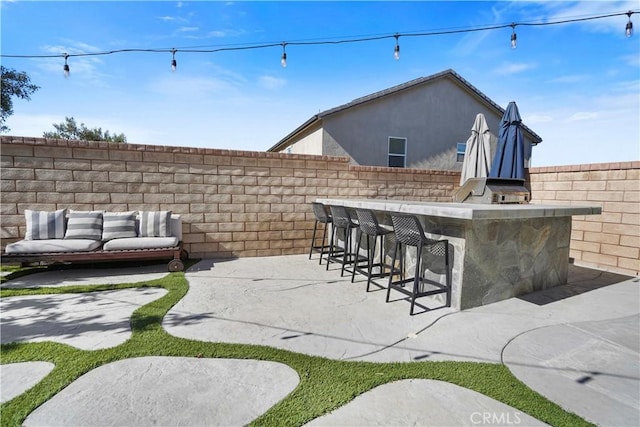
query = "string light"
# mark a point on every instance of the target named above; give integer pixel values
(66, 69)
(396, 50)
(283, 58)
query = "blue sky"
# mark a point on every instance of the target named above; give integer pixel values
(577, 85)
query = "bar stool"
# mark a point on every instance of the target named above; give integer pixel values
(322, 217)
(369, 225)
(409, 232)
(341, 221)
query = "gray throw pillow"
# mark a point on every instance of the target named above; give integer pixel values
(84, 225)
(155, 224)
(44, 224)
(117, 225)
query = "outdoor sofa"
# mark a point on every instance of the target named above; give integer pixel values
(97, 236)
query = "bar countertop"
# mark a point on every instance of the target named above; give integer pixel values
(466, 211)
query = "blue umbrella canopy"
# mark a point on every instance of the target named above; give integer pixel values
(509, 159)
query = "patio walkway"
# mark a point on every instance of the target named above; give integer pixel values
(576, 344)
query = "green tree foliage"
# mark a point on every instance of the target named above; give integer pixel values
(14, 84)
(69, 129)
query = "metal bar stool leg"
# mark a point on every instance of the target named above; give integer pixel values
(393, 262)
(347, 250)
(416, 279)
(447, 274)
(313, 240)
(324, 239)
(331, 247)
(359, 238)
(371, 252)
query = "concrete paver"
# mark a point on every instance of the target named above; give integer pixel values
(83, 277)
(579, 340)
(590, 368)
(16, 378)
(88, 321)
(296, 305)
(424, 403)
(169, 391)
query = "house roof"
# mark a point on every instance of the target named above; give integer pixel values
(284, 142)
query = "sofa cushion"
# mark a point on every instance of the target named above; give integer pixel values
(128, 243)
(155, 224)
(44, 224)
(117, 225)
(51, 245)
(84, 225)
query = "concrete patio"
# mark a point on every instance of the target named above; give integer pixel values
(576, 344)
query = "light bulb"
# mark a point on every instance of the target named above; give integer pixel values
(66, 69)
(514, 37)
(174, 65)
(283, 58)
(628, 31)
(396, 50)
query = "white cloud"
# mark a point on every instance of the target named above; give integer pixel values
(532, 119)
(578, 127)
(217, 34)
(194, 87)
(4, 3)
(33, 125)
(573, 78)
(512, 68)
(604, 139)
(71, 47)
(271, 83)
(631, 60)
(575, 10)
(187, 29)
(84, 69)
(582, 115)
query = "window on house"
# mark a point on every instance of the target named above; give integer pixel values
(397, 152)
(462, 146)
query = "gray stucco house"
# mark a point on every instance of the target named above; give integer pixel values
(422, 123)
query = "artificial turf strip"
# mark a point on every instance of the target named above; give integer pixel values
(325, 384)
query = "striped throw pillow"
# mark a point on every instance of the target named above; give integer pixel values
(155, 224)
(117, 225)
(84, 225)
(44, 224)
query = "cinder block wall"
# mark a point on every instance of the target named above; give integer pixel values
(610, 241)
(237, 203)
(233, 203)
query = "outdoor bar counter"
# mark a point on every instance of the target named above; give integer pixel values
(499, 250)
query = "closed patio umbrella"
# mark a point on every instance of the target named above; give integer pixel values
(509, 159)
(477, 154)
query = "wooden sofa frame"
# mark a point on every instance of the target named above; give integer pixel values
(176, 254)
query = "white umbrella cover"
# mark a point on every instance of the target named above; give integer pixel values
(477, 155)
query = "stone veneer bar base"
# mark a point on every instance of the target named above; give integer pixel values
(499, 251)
(507, 258)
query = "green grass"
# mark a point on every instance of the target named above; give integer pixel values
(325, 384)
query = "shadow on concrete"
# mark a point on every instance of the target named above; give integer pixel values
(579, 281)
